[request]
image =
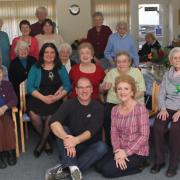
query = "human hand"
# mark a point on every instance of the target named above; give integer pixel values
(49, 99)
(120, 154)
(163, 114)
(3, 109)
(176, 116)
(121, 163)
(106, 86)
(71, 152)
(70, 141)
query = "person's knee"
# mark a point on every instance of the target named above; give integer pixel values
(101, 148)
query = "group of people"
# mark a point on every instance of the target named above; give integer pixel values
(64, 98)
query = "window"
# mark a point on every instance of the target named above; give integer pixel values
(12, 12)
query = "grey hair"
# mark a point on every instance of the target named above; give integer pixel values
(122, 24)
(97, 14)
(41, 8)
(21, 44)
(65, 46)
(173, 52)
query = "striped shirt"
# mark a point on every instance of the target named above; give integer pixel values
(130, 132)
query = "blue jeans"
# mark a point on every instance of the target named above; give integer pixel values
(86, 155)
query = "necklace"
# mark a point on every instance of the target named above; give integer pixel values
(51, 75)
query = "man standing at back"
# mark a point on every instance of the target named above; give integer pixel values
(98, 37)
(41, 14)
(77, 125)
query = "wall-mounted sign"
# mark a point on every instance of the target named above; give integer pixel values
(151, 8)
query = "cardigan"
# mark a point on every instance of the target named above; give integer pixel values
(34, 79)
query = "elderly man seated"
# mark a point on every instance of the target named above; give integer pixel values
(77, 125)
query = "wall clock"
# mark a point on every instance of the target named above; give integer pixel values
(74, 9)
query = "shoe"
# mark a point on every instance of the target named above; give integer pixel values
(76, 174)
(171, 172)
(37, 152)
(56, 173)
(2, 162)
(156, 168)
(11, 157)
(144, 165)
(49, 151)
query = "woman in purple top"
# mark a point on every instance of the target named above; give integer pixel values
(129, 133)
(7, 134)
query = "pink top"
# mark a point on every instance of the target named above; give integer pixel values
(130, 132)
(33, 48)
(96, 78)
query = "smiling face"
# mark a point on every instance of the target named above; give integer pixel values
(85, 55)
(122, 30)
(98, 21)
(22, 52)
(64, 54)
(49, 55)
(84, 90)
(124, 91)
(123, 63)
(47, 28)
(41, 15)
(175, 61)
(25, 29)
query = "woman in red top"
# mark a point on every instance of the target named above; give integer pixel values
(25, 28)
(87, 69)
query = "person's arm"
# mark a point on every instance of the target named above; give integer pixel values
(12, 53)
(134, 54)
(143, 132)
(109, 49)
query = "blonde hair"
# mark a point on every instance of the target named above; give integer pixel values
(123, 53)
(151, 35)
(127, 79)
(86, 45)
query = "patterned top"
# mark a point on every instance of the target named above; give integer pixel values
(130, 132)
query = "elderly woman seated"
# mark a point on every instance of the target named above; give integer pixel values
(151, 43)
(65, 52)
(7, 134)
(169, 111)
(21, 65)
(123, 66)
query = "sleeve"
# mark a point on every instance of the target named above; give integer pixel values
(162, 94)
(134, 54)
(114, 131)
(108, 52)
(32, 78)
(140, 81)
(65, 79)
(12, 53)
(61, 114)
(108, 77)
(96, 123)
(143, 135)
(12, 99)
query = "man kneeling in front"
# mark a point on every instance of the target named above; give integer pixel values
(77, 125)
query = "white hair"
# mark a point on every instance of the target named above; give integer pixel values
(173, 52)
(41, 9)
(65, 46)
(21, 44)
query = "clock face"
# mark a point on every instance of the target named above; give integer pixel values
(74, 9)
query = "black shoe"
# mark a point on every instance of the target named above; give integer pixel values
(49, 151)
(11, 157)
(2, 162)
(144, 165)
(171, 172)
(156, 168)
(37, 151)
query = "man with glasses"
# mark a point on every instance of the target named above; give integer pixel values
(77, 125)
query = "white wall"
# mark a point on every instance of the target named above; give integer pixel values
(73, 27)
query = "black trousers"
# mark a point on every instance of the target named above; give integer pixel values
(107, 121)
(159, 130)
(107, 165)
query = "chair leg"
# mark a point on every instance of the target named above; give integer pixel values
(22, 134)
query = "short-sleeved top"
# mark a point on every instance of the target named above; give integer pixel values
(133, 72)
(96, 78)
(79, 118)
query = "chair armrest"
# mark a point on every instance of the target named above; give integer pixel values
(14, 109)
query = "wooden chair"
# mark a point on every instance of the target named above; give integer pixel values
(14, 111)
(23, 116)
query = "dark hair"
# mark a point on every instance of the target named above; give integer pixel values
(24, 22)
(57, 61)
(50, 22)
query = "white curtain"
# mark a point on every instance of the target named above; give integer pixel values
(12, 12)
(113, 11)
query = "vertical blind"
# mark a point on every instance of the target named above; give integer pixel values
(12, 12)
(113, 11)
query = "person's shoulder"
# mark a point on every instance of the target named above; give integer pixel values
(34, 24)
(96, 104)
(2, 33)
(92, 29)
(106, 27)
(141, 107)
(135, 70)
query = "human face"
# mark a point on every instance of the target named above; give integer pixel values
(175, 61)
(122, 63)
(149, 40)
(124, 91)
(41, 15)
(84, 90)
(64, 55)
(47, 28)
(1, 75)
(98, 21)
(122, 30)
(49, 55)
(23, 52)
(25, 29)
(85, 55)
